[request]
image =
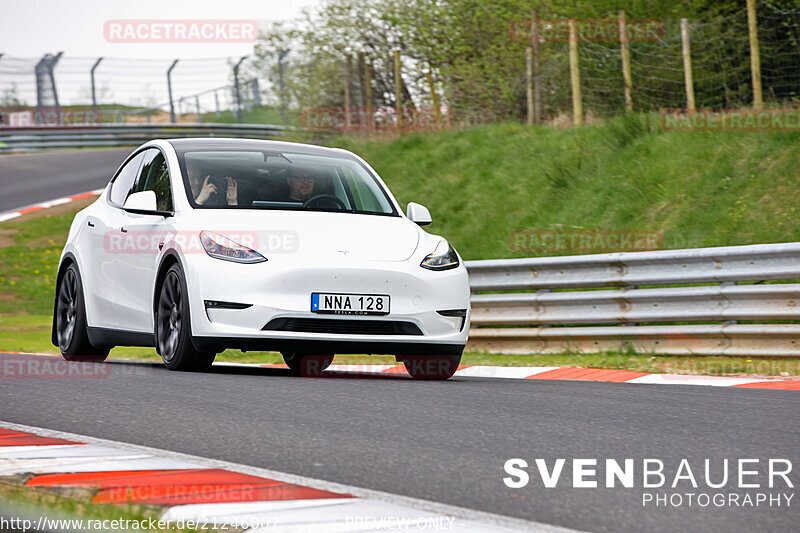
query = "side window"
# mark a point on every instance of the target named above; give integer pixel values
(154, 176)
(363, 196)
(124, 180)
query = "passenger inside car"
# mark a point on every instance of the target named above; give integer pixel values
(212, 191)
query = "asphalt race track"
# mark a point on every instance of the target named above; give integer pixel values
(440, 441)
(30, 178)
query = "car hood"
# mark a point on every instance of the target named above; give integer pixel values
(316, 235)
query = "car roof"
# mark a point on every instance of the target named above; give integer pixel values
(206, 143)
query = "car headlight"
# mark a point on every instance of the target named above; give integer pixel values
(443, 258)
(221, 247)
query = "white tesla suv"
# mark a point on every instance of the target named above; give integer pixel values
(198, 245)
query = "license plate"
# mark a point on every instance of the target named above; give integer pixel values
(349, 304)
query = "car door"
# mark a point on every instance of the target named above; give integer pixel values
(100, 247)
(136, 270)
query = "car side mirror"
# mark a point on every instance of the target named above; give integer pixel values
(144, 203)
(418, 214)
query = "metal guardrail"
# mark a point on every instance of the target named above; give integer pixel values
(611, 304)
(53, 138)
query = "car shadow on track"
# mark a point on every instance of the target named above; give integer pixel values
(273, 370)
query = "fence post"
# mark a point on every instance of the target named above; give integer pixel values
(529, 82)
(537, 78)
(197, 109)
(626, 62)
(216, 102)
(256, 92)
(575, 75)
(755, 57)
(53, 82)
(398, 89)
(94, 96)
(368, 84)
(281, 84)
(45, 79)
(237, 91)
(169, 91)
(348, 67)
(434, 97)
(687, 66)
(360, 79)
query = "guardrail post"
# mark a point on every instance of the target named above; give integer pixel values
(169, 91)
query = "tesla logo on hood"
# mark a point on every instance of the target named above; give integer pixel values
(344, 252)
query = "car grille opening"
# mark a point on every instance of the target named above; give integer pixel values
(343, 326)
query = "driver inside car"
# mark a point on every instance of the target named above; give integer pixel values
(301, 184)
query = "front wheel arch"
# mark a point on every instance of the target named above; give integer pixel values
(67, 260)
(169, 259)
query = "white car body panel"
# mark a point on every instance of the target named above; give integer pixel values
(306, 252)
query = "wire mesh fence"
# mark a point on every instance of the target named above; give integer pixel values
(720, 62)
(122, 89)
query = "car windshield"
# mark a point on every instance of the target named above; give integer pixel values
(281, 180)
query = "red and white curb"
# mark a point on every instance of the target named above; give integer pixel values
(479, 371)
(8, 215)
(216, 492)
(568, 373)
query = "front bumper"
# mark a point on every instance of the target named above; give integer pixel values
(279, 289)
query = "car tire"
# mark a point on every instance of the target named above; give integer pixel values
(173, 328)
(306, 365)
(70, 320)
(433, 368)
